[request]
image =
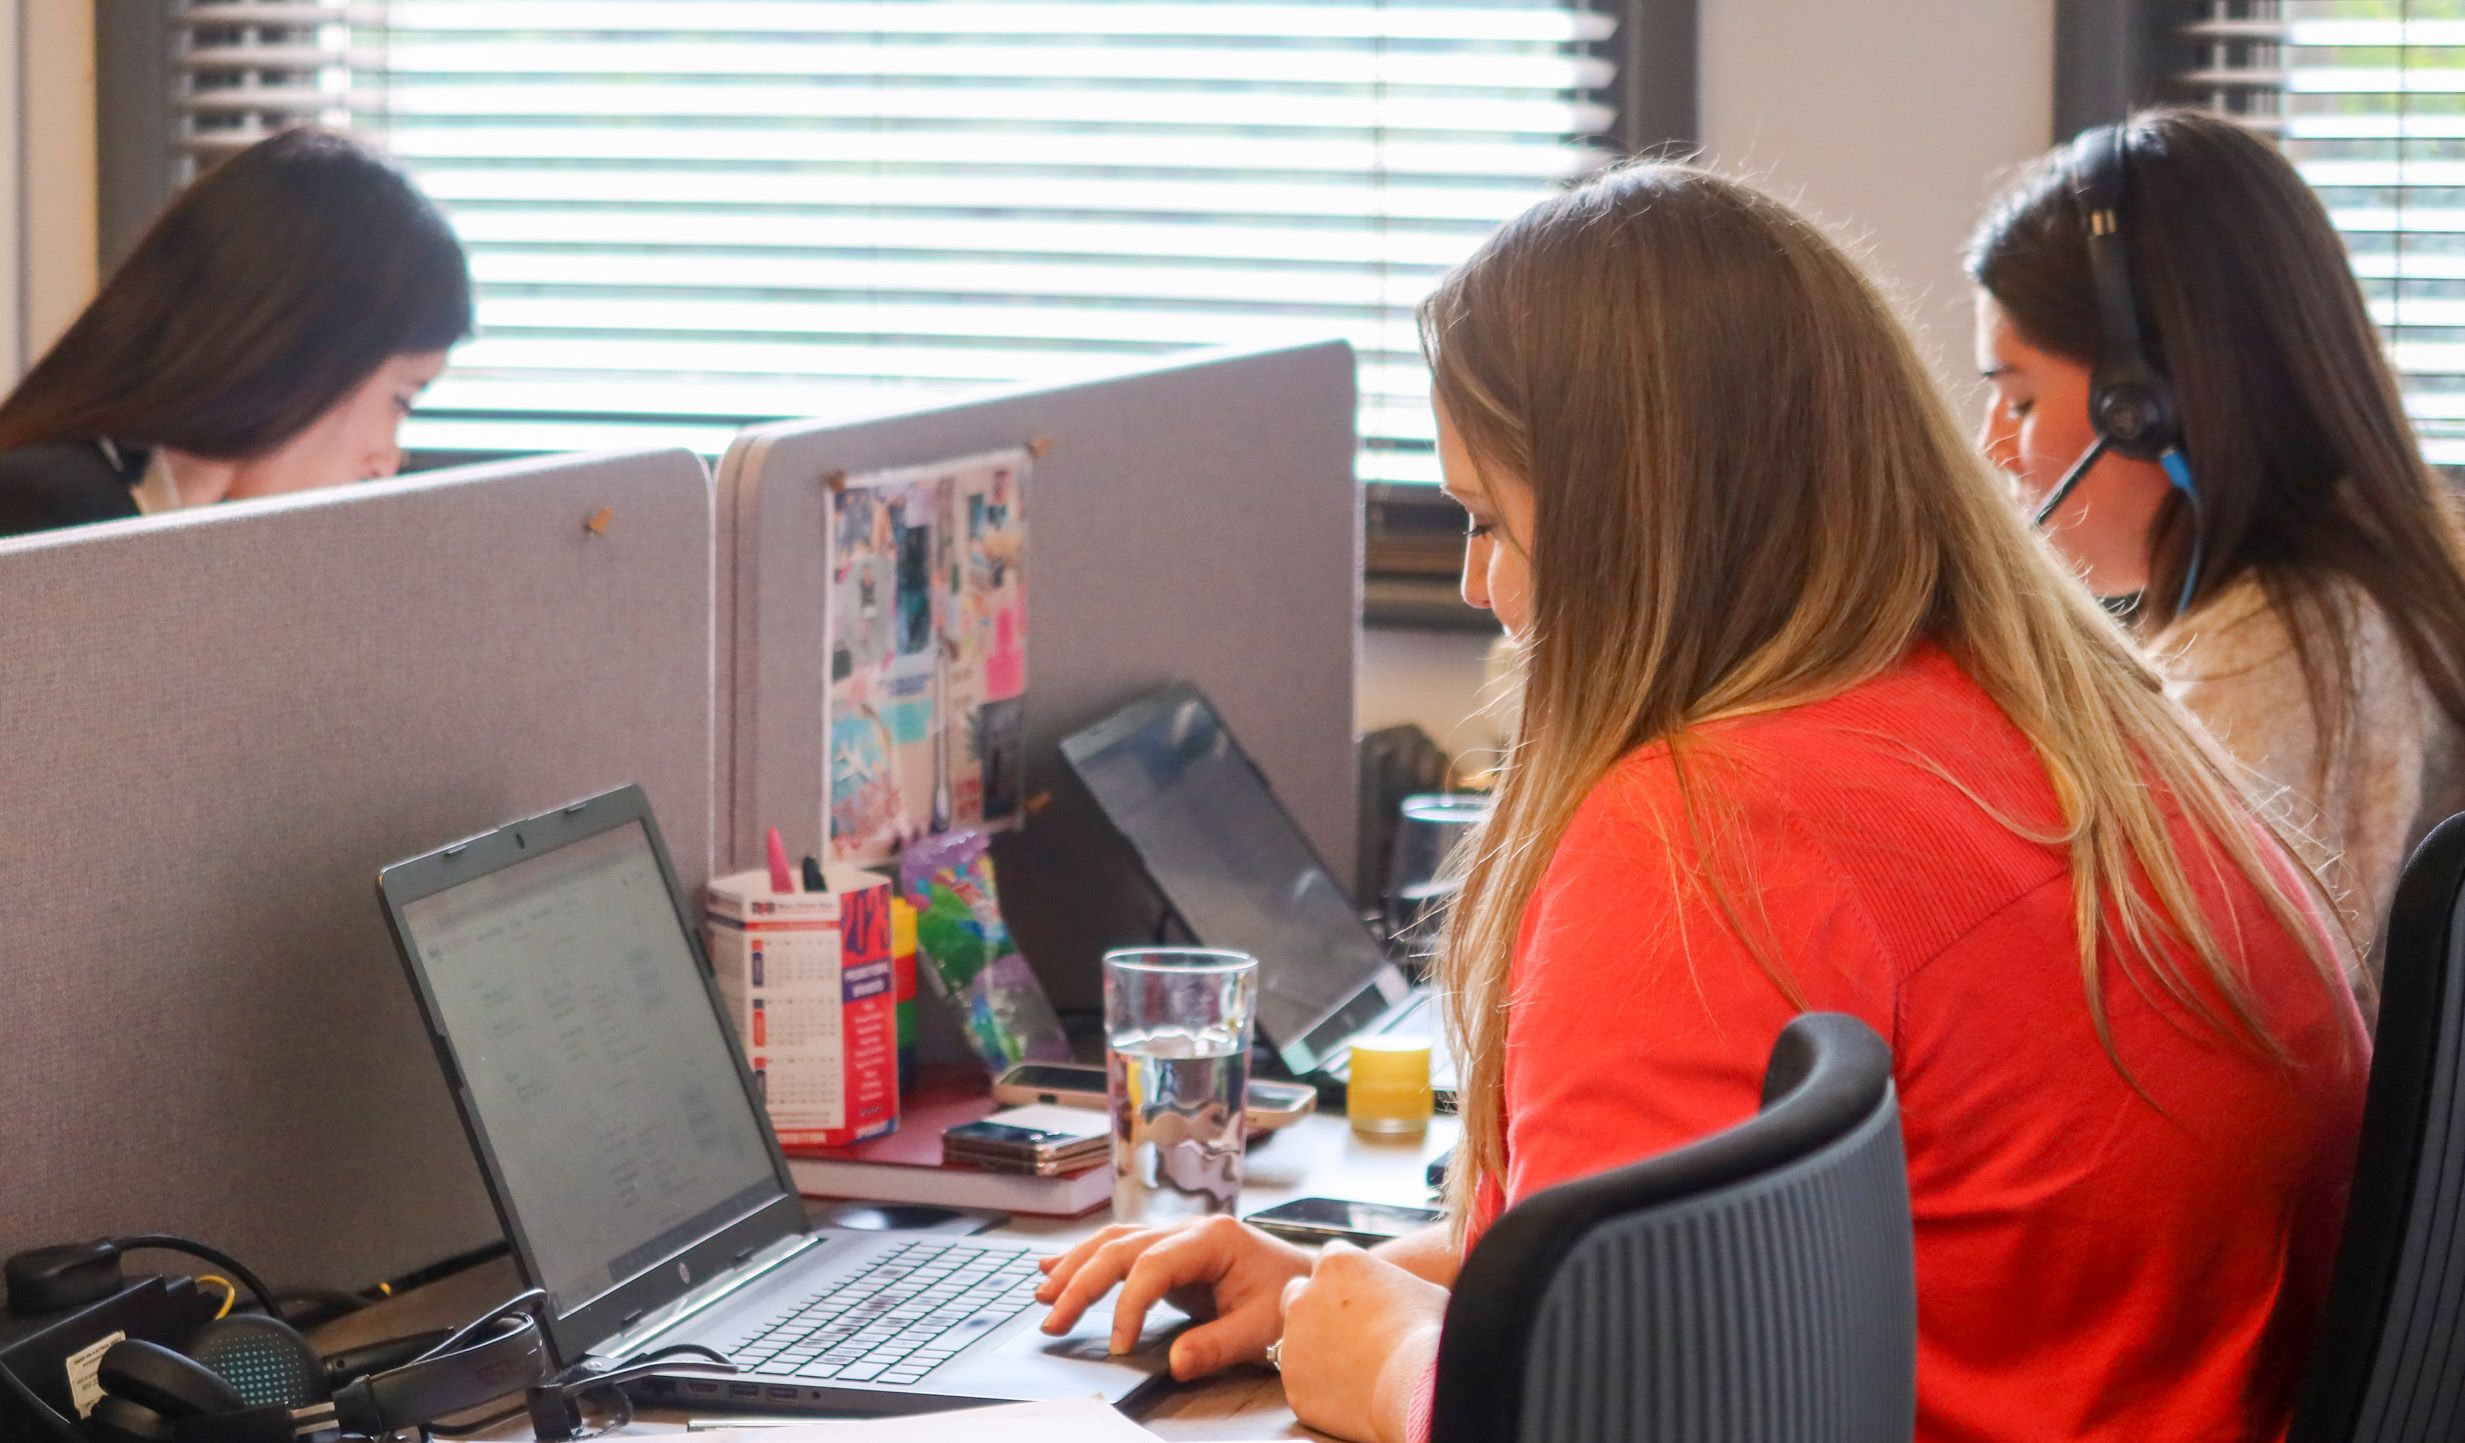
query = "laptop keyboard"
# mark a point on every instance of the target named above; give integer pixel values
(894, 1321)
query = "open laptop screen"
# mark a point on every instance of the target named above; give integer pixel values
(592, 1059)
(1228, 858)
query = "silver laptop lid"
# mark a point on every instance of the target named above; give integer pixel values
(612, 1113)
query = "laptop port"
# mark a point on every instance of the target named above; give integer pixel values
(705, 1388)
(744, 1390)
(786, 1392)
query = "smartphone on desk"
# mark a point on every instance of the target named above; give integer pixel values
(1270, 1105)
(1327, 1219)
(1045, 1141)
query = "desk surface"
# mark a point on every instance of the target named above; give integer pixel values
(1316, 1157)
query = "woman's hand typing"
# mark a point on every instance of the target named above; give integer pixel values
(1227, 1274)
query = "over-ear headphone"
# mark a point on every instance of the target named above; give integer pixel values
(251, 1377)
(248, 1379)
(2130, 404)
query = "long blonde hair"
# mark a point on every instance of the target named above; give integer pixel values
(1748, 497)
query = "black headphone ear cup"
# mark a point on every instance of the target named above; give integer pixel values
(156, 1378)
(264, 1358)
(117, 1420)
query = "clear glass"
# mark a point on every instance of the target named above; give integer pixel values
(1177, 1024)
(1424, 869)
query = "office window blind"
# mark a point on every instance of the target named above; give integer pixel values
(2368, 99)
(687, 214)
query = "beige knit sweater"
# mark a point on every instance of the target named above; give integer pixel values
(2358, 800)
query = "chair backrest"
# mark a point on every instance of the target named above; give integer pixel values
(2390, 1363)
(1757, 1284)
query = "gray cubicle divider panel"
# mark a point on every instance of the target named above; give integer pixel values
(220, 725)
(1195, 521)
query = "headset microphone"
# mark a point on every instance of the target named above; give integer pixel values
(2130, 405)
(2070, 482)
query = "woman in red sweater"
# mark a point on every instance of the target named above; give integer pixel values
(1810, 719)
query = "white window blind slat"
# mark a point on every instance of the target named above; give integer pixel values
(686, 214)
(2367, 98)
(1531, 161)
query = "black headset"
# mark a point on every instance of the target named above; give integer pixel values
(251, 1377)
(2130, 405)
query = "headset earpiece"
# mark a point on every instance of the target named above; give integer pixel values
(264, 1358)
(2134, 414)
(243, 1386)
(156, 1378)
(117, 1420)
(154, 1395)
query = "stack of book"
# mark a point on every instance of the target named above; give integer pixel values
(908, 1167)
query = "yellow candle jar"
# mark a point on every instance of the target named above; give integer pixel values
(1388, 1091)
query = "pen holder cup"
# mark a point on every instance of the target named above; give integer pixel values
(809, 988)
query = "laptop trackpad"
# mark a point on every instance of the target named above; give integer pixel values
(1085, 1353)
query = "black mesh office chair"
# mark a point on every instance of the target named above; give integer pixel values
(2390, 1365)
(1757, 1284)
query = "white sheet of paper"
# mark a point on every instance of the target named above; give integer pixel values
(1072, 1420)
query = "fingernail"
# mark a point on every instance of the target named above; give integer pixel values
(1120, 1344)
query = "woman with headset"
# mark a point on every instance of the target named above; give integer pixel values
(1810, 721)
(2189, 390)
(267, 334)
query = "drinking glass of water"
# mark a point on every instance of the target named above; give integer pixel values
(1177, 1026)
(1422, 875)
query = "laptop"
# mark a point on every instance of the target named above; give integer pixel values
(1235, 869)
(638, 1179)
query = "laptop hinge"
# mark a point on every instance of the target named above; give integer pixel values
(754, 1268)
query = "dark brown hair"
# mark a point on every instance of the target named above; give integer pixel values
(268, 290)
(2311, 479)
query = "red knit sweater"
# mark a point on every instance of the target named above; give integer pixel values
(2088, 1266)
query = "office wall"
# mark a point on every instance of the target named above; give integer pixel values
(47, 173)
(12, 189)
(1431, 679)
(1889, 121)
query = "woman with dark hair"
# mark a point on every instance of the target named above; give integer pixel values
(267, 334)
(2306, 594)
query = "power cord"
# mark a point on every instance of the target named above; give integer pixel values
(167, 1242)
(556, 1406)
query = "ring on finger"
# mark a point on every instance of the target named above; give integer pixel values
(1275, 1355)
